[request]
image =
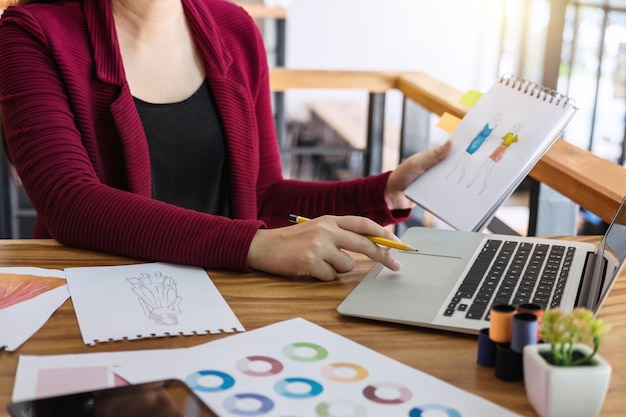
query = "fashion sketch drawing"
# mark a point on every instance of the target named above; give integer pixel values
(479, 140)
(496, 156)
(158, 296)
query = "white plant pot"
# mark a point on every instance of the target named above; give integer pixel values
(562, 391)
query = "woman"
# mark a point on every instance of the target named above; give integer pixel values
(144, 128)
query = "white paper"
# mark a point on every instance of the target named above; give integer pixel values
(147, 300)
(50, 375)
(18, 322)
(298, 368)
(494, 147)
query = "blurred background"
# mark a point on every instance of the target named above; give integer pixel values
(575, 47)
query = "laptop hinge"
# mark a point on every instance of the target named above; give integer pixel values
(583, 299)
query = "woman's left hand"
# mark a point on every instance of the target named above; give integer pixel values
(408, 171)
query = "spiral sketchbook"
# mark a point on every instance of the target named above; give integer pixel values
(495, 146)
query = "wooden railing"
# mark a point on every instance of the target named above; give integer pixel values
(595, 184)
(260, 11)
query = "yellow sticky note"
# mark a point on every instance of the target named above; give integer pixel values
(448, 122)
(471, 97)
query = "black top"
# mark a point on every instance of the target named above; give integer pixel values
(188, 155)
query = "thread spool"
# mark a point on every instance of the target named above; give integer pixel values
(486, 349)
(535, 309)
(524, 331)
(509, 364)
(501, 319)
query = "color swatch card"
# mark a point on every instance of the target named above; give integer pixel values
(296, 368)
(147, 300)
(28, 297)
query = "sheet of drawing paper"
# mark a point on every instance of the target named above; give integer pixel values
(49, 375)
(28, 297)
(296, 367)
(494, 147)
(147, 300)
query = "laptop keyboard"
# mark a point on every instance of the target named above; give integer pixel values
(510, 272)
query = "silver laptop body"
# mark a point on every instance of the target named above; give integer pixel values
(432, 289)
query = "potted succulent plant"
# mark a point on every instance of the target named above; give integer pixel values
(564, 376)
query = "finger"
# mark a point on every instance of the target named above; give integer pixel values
(326, 238)
(429, 157)
(341, 237)
(358, 241)
(390, 261)
(364, 227)
(377, 254)
(419, 163)
(322, 271)
(437, 154)
(340, 261)
(311, 265)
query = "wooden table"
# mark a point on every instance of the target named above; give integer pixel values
(259, 300)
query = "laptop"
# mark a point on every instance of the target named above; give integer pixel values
(456, 276)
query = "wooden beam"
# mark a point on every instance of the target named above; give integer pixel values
(594, 183)
(282, 79)
(260, 11)
(432, 94)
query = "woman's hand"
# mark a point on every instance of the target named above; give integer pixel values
(408, 171)
(316, 248)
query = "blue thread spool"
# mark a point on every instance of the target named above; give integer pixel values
(486, 349)
(535, 309)
(524, 331)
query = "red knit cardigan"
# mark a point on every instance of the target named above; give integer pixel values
(79, 148)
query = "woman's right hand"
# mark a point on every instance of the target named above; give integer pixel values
(317, 248)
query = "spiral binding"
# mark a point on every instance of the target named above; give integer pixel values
(536, 90)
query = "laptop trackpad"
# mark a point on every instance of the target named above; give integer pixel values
(425, 269)
(415, 293)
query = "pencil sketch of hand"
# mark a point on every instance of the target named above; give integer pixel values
(158, 297)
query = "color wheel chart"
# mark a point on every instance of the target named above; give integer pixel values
(296, 368)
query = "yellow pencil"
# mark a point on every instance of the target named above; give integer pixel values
(376, 239)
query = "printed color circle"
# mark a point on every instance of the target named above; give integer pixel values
(244, 366)
(290, 352)
(265, 404)
(404, 394)
(418, 411)
(323, 409)
(281, 387)
(193, 381)
(329, 372)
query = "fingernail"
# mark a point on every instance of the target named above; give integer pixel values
(396, 265)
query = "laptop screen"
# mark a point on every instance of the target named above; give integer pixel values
(611, 256)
